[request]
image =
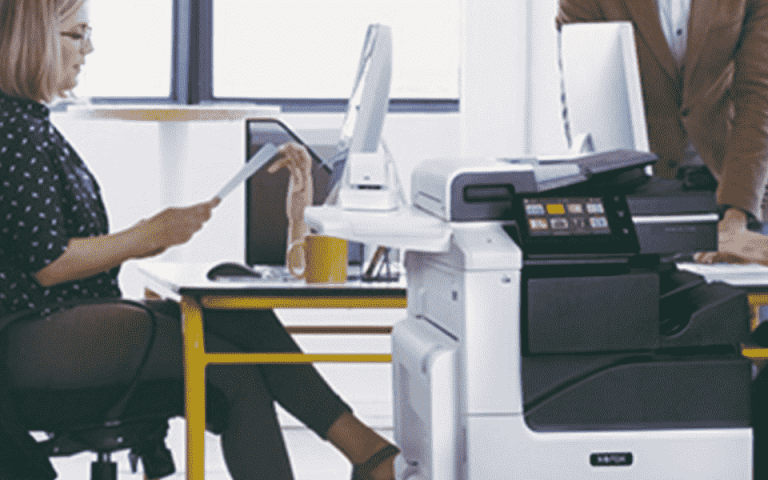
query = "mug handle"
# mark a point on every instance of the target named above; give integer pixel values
(288, 256)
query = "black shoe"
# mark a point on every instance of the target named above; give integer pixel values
(363, 471)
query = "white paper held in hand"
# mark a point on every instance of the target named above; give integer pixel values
(265, 154)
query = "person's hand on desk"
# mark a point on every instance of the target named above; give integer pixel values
(296, 159)
(736, 244)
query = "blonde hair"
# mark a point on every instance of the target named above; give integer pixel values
(30, 48)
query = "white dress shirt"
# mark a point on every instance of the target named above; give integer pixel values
(673, 15)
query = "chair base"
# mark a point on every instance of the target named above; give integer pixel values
(145, 439)
(102, 470)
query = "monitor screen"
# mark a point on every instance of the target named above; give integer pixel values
(369, 100)
(602, 90)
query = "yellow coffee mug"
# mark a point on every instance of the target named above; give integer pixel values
(325, 259)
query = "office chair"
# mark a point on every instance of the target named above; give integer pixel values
(142, 432)
(141, 427)
(131, 423)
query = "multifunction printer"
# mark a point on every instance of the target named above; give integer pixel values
(551, 335)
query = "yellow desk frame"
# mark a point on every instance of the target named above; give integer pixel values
(196, 358)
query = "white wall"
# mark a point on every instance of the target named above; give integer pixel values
(495, 87)
(545, 133)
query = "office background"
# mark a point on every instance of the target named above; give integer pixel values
(508, 89)
(508, 105)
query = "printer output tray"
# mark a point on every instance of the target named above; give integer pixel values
(636, 392)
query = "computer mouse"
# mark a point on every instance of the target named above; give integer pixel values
(231, 269)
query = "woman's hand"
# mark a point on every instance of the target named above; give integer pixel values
(173, 226)
(300, 192)
(85, 257)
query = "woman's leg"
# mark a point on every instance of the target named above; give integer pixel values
(252, 441)
(299, 388)
(102, 346)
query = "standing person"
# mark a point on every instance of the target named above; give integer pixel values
(58, 270)
(704, 69)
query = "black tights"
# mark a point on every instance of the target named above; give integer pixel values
(53, 360)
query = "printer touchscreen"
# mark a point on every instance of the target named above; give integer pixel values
(576, 225)
(566, 216)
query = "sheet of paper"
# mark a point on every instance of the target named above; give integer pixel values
(736, 275)
(265, 154)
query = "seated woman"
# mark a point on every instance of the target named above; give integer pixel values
(59, 261)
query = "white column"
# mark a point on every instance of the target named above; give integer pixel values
(547, 134)
(174, 159)
(494, 78)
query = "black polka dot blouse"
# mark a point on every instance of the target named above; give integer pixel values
(47, 197)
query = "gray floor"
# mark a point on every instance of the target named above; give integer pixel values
(312, 458)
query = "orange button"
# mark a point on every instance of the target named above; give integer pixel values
(555, 208)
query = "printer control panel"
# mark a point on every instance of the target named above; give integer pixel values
(566, 216)
(588, 225)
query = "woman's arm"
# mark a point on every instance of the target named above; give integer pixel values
(85, 257)
(300, 192)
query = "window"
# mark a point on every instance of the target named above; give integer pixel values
(309, 48)
(287, 51)
(132, 50)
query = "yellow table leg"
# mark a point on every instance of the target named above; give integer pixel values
(195, 361)
(194, 380)
(756, 300)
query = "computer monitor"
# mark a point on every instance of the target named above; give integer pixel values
(602, 94)
(368, 103)
(266, 222)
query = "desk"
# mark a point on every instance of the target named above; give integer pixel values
(186, 283)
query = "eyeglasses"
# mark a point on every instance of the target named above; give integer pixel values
(83, 37)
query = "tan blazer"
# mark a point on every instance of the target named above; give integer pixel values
(719, 98)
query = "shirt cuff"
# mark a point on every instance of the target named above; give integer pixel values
(752, 222)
